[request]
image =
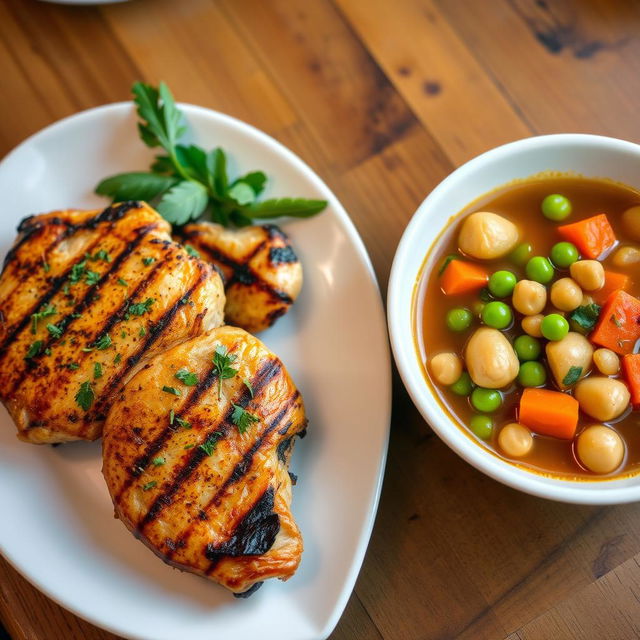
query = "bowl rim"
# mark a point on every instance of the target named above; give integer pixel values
(400, 320)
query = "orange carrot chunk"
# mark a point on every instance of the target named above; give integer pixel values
(612, 282)
(631, 368)
(592, 236)
(549, 413)
(618, 328)
(463, 277)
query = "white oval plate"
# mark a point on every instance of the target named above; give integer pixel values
(58, 529)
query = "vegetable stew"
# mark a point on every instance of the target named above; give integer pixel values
(529, 325)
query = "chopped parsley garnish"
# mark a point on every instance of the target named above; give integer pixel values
(242, 418)
(73, 366)
(104, 342)
(173, 390)
(34, 349)
(189, 446)
(76, 315)
(46, 266)
(485, 295)
(65, 289)
(614, 318)
(140, 308)
(149, 485)
(249, 386)
(446, 262)
(117, 359)
(87, 349)
(172, 415)
(147, 261)
(55, 330)
(187, 377)
(123, 334)
(185, 424)
(573, 375)
(77, 272)
(92, 277)
(222, 361)
(209, 445)
(100, 255)
(123, 282)
(158, 461)
(49, 310)
(47, 352)
(192, 251)
(85, 396)
(586, 316)
(97, 371)
(142, 332)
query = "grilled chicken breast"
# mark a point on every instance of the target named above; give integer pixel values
(262, 274)
(86, 298)
(198, 481)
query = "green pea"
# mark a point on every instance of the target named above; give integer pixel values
(554, 327)
(486, 400)
(497, 315)
(527, 348)
(539, 269)
(459, 319)
(502, 283)
(482, 426)
(564, 254)
(521, 254)
(532, 374)
(463, 386)
(556, 207)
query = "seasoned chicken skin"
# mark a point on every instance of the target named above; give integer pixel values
(262, 274)
(86, 298)
(202, 485)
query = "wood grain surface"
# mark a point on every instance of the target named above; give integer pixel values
(383, 99)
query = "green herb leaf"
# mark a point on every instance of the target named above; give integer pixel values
(142, 332)
(256, 180)
(573, 375)
(147, 261)
(34, 349)
(158, 461)
(46, 266)
(614, 318)
(123, 282)
(446, 262)
(249, 386)
(97, 370)
(485, 295)
(149, 485)
(55, 330)
(77, 271)
(293, 207)
(117, 359)
(185, 424)
(209, 445)
(586, 316)
(217, 166)
(49, 310)
(222, 361)
(91, 277)
(85, 396)
(101, 254)
(184, 202)
(187, 377)
(242, 418)
(172, 390)
(135, 186)
(140, 308)
(73, 366)
(189, 446)
(191, 251)
(172, 415)
(194, 160)
(241, 193)
(104, 342)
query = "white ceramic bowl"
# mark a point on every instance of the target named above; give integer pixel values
(591, 156)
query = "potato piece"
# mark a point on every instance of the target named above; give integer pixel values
(602, 398)
(574, 350)
(491, 360)
(485, 235)
(631, 222)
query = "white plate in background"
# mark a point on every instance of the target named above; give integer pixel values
(58, 528)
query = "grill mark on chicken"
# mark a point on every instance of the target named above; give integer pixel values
(265, 375)
(152, 336)
(242, 273)
(85, 303)
(55, 286)
(238, 472)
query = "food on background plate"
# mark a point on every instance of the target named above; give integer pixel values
(261, 272)
(196, 454)
(188, 184)
(86, 299)
(535, 311)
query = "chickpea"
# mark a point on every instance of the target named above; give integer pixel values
(515, 440)
(566, 295)
(602, 398)
(446, 368)
(589, 274)
(626, 256)
(531, 325)
(600, 449)
(529, 297)
(486, 235)
(491, 360)
(607, 361)
(631, 222)
(574, 350)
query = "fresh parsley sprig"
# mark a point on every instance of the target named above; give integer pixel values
(222, 361)
(186, 181)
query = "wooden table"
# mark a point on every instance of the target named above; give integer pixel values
(383, 99)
